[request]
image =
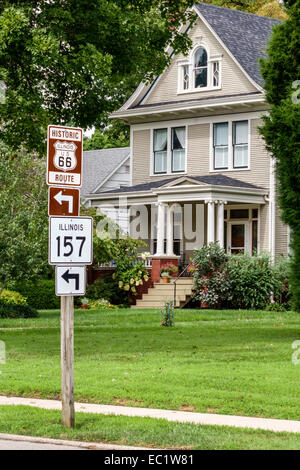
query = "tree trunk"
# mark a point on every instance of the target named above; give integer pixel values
(3, 285)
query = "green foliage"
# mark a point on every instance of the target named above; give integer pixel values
(167, 315)
(12, 297)
(240, 281)
(101, 304)
(209, 258)
(75, 62)
(269, 8)
(276, 307)
(251, 281)
(213, 290)
(115, 135)
(40, 293)
(23, 216)
(281, 130)
(17, 311)
(107, 288)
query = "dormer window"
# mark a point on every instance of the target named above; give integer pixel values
(199, 72)
(200, 68)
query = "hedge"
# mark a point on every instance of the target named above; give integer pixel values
(17, 311)
(40, 294)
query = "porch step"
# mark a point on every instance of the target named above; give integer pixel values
(162, 293)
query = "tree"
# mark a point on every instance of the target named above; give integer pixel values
(75, 61)
(281, 129)
(114, 135)
(271, 8)
(23, 217)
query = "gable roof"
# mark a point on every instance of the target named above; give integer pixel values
(98, 165)
(244, 34)
(215, 180)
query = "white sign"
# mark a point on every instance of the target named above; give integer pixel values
(71, 240)
(64, 157)
(70, 280)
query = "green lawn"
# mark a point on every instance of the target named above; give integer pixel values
(144, 432)
(227, 362)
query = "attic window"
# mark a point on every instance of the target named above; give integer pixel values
(199, 72)
(200, 68)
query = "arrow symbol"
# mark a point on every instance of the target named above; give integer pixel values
(60, 198)
(67, 276)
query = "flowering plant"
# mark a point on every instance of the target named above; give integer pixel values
(168, 269)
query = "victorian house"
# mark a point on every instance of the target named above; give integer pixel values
(199, 169)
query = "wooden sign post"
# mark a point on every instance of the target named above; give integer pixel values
(67, 360)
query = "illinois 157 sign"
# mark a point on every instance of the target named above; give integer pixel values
(64, 156)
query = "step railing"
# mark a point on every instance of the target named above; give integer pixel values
(180, 275)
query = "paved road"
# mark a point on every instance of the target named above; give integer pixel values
(17, 445)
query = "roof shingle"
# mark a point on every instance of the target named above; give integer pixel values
(244, 34)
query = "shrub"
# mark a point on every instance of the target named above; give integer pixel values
(276, 307)
(251, 281)
(167, 314)
(209, 258)
(281, 272)
(40, 294)
(12, 298)
(107, 288)
(17, 311)
(212, 290)
(101, 304)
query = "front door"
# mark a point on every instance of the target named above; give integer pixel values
(238, 237)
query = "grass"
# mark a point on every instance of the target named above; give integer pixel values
(226, 362)
(144, 432)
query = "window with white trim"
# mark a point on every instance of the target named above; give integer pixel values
(240, 144)
(160, 150)
(221, 145)
(199, 72)
(230, 142)
(169, 150)
(200, 68)
(178, 149)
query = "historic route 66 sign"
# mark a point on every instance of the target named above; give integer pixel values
(64, 157)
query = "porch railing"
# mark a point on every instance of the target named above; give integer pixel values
(112, 264)
(184, 271)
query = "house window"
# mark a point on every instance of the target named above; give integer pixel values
(221, 145)
(160, 148)
(178, 149)
(240, 144)
(200, 68)
(169, 150)
(186, 77)
(216, 74)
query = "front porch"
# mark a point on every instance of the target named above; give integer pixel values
(175, 217)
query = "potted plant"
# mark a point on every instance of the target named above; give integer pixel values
(167, 270)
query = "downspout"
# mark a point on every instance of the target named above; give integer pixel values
(272, 209)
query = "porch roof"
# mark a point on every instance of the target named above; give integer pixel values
(185, 188)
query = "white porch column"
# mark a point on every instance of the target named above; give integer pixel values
(220, 223)
(170, 231)
(160, 229)
(210, 221)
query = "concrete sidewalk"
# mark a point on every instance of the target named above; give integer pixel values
(277, 425)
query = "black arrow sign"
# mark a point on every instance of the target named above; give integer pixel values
(67, 276)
